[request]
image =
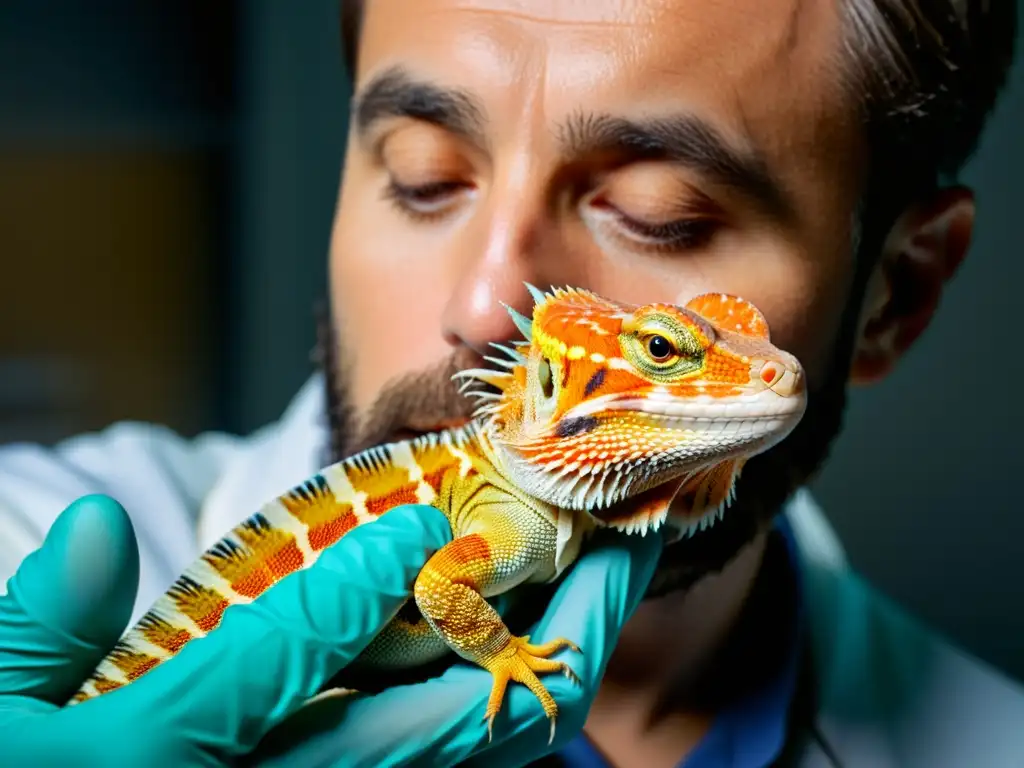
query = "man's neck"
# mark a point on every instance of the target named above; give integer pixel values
(639, 716)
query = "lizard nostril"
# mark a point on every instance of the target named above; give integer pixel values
(781, 379)
(771, 373)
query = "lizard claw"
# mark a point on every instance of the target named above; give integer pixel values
(521, 661)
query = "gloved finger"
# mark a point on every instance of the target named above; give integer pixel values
(269, 657)
(440, 721)
(69, 601)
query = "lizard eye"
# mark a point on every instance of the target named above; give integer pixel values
(659, 348)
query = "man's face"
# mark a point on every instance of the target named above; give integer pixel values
(648, 150)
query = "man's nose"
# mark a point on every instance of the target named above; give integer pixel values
(510, 247)
(475, 317)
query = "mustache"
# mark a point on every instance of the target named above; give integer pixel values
(418, 401)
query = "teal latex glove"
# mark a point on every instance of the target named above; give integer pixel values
(440, 721)
(215, 702)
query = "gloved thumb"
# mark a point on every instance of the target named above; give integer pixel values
(69, 601)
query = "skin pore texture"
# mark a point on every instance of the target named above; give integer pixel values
(648, 150)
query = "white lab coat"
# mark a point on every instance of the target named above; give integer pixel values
(891, 692)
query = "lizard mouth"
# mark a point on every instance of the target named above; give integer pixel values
(738, 419)
(765, 404)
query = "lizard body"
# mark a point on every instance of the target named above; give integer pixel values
(606, 414)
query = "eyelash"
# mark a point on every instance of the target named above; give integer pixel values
(405, 198)
(681, 234)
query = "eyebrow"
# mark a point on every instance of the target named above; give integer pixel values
(395, 93)
(684, 139)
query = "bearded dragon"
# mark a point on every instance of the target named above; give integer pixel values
(605, 414)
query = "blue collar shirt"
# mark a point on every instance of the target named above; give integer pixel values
(752, 731)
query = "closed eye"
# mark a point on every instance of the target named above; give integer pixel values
(683, 233)
(680, 234)
(422, 201)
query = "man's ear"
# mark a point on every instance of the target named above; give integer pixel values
(922, 252)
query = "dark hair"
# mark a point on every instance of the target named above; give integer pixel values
(351, 23)
(925, 74)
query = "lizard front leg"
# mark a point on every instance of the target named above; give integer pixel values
(498, 555)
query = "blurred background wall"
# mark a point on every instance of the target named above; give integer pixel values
(168, 173)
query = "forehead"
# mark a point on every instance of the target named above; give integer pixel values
(766, 73)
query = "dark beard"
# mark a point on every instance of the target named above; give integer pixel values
(767, 481)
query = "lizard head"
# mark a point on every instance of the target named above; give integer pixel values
(619, 409)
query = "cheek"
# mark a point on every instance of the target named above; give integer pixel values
(799, 282)
(804, 305)
(387, 299)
